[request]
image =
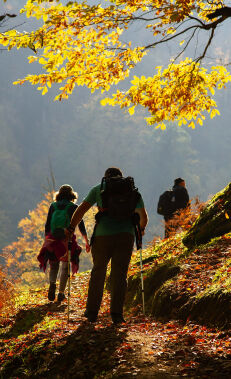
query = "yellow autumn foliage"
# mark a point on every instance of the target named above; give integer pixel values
(80, 44)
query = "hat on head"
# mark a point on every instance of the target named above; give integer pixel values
(113, 171)
(178, 181)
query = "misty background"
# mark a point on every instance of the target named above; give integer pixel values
(79, 139)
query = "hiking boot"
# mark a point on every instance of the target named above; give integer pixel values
(51, 292)
(60, 297)
(91, 316)
(117, 318)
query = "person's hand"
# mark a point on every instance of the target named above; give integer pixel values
(88, 247)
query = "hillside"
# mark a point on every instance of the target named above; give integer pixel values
(186, 330)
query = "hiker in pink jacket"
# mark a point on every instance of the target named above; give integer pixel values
(56, 244)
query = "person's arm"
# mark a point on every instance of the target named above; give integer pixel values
(86, 204)
(143, 218)
(77, 216)
(83, 231)
(48, 221)
(81, 225)
(82, 228)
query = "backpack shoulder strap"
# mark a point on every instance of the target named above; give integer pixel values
(102, 183)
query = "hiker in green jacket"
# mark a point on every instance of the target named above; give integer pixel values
(113, 238)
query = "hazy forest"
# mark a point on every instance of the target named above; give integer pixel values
(79, 139)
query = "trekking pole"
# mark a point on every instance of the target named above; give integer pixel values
(69, 280)
(138, 235)
(142, 279)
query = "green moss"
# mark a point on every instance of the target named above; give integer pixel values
(214, 220)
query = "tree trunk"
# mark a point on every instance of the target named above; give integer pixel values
(214, 220)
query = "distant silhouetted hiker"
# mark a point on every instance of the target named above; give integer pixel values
(56, 244)
(172, 201)
(113, 238)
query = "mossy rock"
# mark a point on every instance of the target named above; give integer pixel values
(153, 280)
(212, 309)
(214, 220)
(167, 303)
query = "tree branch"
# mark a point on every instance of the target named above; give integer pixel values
(224, 12)
(207, 46)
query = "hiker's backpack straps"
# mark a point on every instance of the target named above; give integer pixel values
(102, 209)
(166, 204)
(102, 183)
(60, 219)
(119, 197)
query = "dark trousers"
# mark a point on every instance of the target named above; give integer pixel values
(118, 248)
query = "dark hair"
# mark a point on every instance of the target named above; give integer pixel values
(113, 171)
(178, 181)
(65, 192)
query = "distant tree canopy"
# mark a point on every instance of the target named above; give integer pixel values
(84, 44)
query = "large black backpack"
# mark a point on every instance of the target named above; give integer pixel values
(119, 197)
(166, 204)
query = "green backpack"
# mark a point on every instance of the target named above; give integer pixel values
(60, 219)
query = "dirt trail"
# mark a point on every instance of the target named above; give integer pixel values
(144, 348)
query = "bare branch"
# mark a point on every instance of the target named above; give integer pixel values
(172, 37)
(186, 45)
(207, 46)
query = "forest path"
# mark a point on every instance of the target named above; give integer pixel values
(142, 347)
(38, 342)
(145, 348)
